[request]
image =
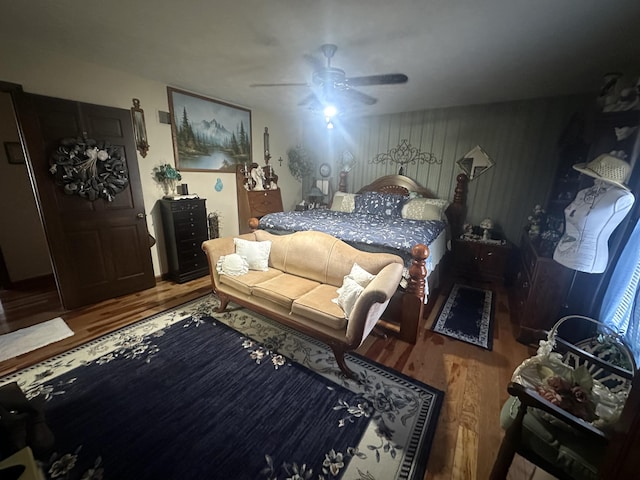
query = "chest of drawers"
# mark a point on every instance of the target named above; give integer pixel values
(540, 290)
(185, 228)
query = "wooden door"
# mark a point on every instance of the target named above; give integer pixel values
(99, 249)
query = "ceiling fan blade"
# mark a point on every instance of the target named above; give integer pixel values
(293, 84)
(385, 79)
(358, 96)
(308, 100)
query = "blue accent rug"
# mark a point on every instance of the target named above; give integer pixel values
(467, 315)
(191, 394)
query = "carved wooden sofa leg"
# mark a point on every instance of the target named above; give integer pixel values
(344, 368)
(224, 301)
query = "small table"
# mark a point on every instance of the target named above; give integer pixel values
(481, 260)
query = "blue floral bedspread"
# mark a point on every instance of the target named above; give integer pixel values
(373, 233)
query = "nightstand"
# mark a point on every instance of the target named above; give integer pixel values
(481, 260)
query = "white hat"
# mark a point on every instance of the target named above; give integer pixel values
(607, 168)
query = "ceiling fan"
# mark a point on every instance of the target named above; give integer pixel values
(330, 85)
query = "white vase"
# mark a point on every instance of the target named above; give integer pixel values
(169, 187)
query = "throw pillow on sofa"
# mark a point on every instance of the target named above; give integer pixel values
(348, 293)
(352, 286)
(256, 253)
(232, 264)
(360, 275)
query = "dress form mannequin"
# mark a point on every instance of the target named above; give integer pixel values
(589, 221)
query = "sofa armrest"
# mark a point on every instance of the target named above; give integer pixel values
(371, 303)
(218, 247)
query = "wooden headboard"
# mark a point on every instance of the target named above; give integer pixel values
(399, 184)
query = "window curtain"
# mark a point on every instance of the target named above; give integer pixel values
(621, 303)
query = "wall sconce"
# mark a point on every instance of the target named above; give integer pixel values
(139, 128)
(267, 155)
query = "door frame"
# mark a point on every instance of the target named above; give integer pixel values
(15, 89)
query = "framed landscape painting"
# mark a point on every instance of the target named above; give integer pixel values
(208, 135)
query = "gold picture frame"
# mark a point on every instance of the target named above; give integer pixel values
(208, 135)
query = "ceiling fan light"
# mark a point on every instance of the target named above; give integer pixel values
(330, 111)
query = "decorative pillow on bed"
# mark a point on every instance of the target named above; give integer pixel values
(343, 202)
(232, 264)
(375, 203)
(255, 253)
(425, 209)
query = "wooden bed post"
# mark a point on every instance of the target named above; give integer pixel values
(413, 299)
(458, 208)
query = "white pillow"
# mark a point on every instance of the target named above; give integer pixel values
(343, 202)
(232, 264)
(256, 253)
(425, 209)
(360, 275)
(352, 286)
(348, 293)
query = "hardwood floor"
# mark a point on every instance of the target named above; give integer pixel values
(474, 380)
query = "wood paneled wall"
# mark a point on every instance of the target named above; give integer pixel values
(521, 138)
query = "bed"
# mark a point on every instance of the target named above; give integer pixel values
(393, 214)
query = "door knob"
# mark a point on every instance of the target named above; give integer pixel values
(140, 215)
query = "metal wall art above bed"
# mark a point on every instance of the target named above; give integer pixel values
(89, 168)
(404, 154)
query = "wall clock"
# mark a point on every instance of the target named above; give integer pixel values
(325, 170)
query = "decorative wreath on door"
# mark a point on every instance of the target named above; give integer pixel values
(89, 168)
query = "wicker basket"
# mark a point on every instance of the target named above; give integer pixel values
(581, 386)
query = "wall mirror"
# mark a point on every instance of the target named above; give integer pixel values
(139, 128)
(475, 162)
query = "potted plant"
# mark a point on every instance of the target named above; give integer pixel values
(166, 176)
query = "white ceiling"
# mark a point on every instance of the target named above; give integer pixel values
(455, 52)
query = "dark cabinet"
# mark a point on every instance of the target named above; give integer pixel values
(185, 228)
(540, 289)
(481, 261)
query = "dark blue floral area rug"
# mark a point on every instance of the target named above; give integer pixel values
(467, 315)
(192, 394)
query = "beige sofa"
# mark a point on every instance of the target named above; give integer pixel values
(305, 270)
